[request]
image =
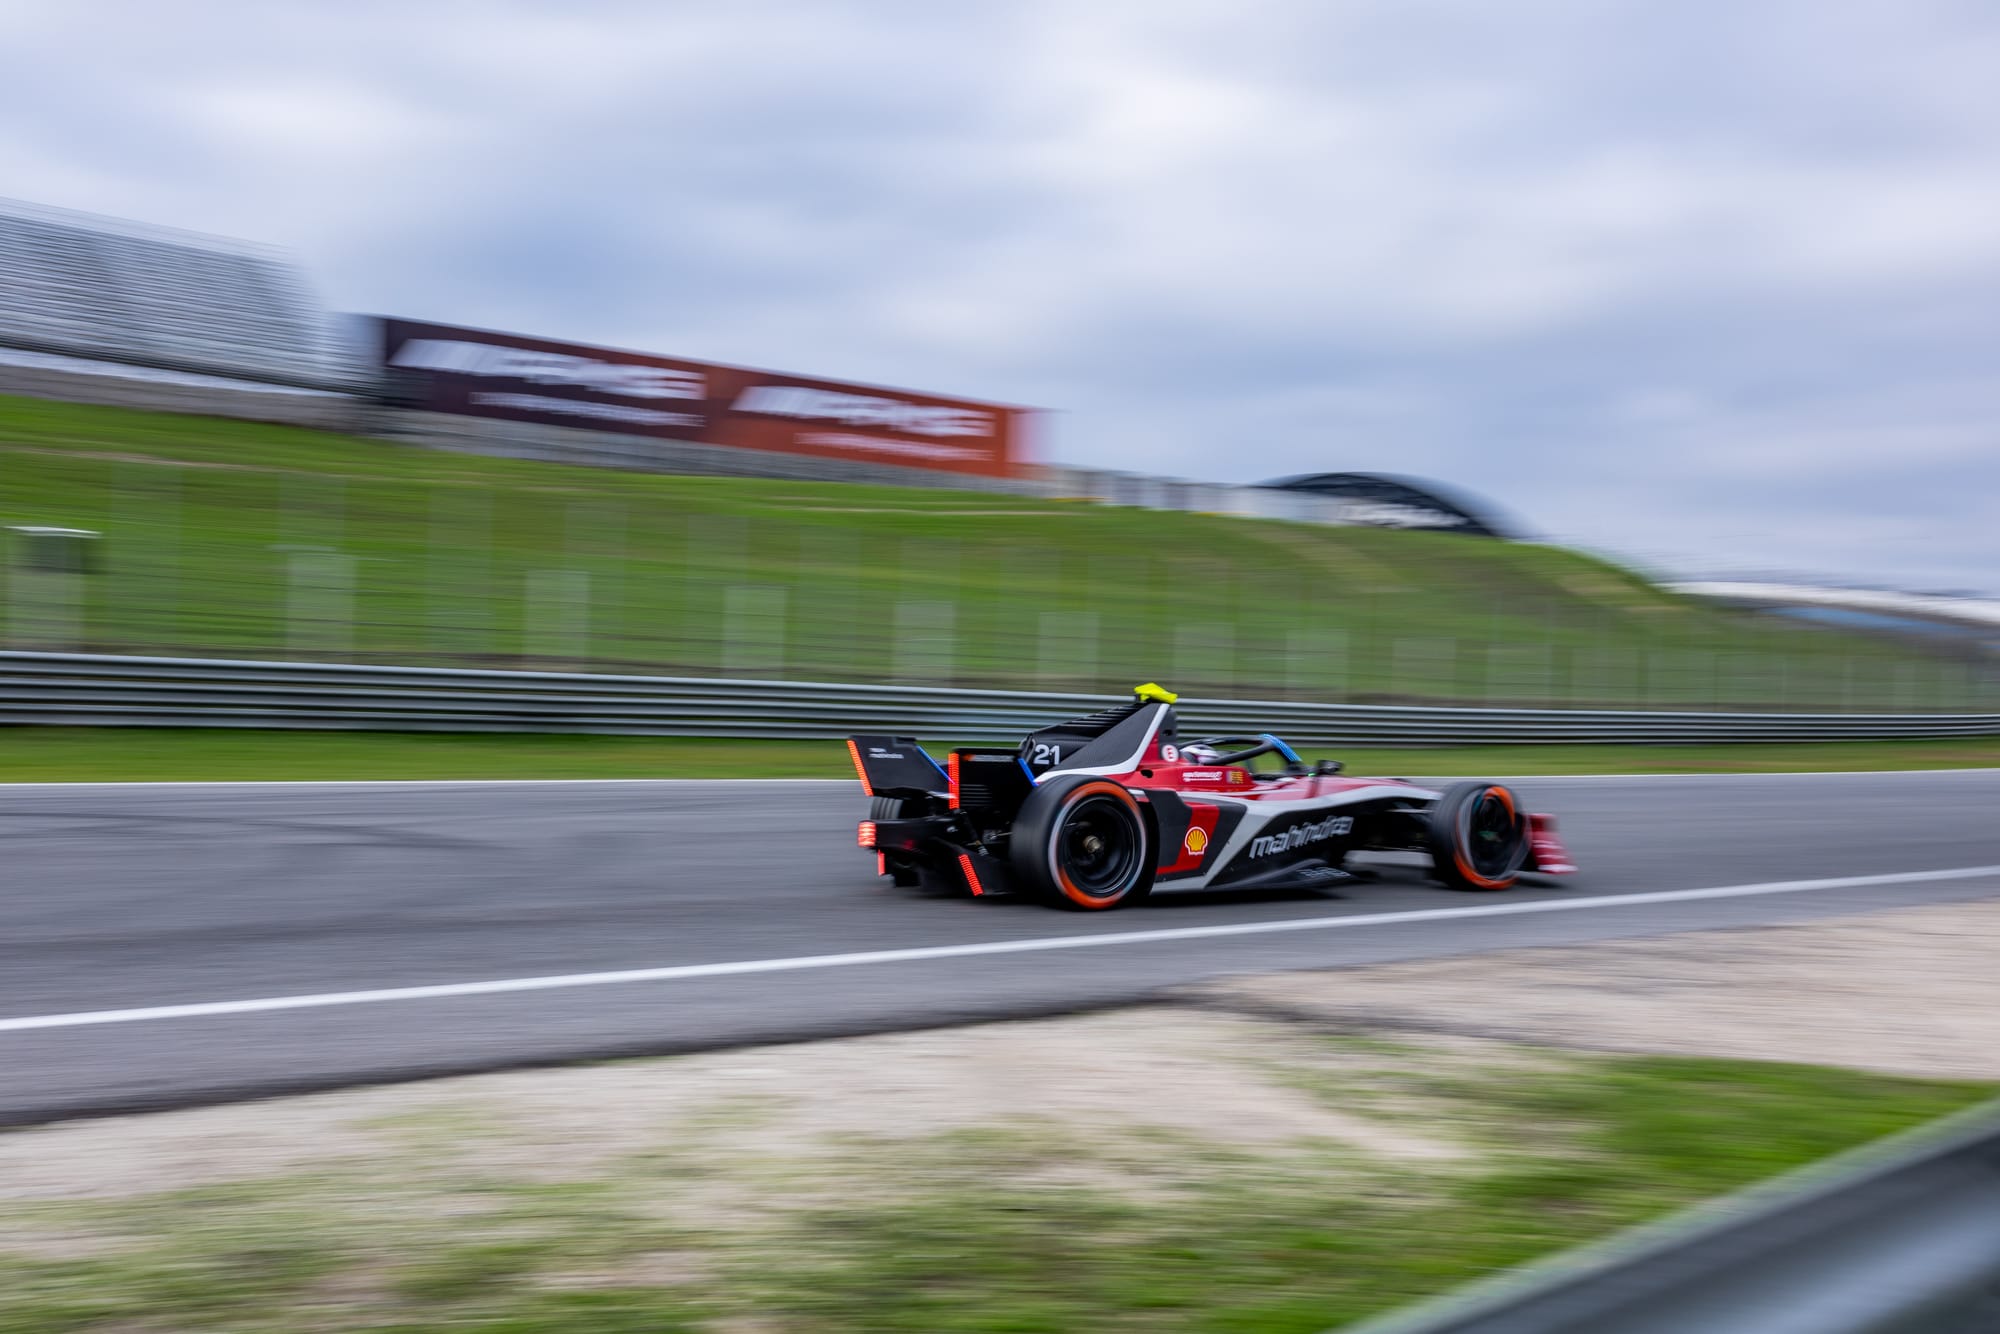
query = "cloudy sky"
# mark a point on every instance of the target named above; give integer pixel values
(1714, 283)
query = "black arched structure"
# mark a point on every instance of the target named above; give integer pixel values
(1384, 501)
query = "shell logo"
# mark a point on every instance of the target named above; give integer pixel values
(1195, 841)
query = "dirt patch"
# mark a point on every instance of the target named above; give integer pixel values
(1215, 1079)
(41, 1241)
(1913, 992)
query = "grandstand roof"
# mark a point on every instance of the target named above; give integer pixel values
(111, 290)
(1390, 501)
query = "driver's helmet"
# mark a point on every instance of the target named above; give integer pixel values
(1199, 753)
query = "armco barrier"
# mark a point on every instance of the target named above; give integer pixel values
(64, 688)
(1896, 1238)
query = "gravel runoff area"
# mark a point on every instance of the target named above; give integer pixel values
(1283, 1153)
(1913, 992)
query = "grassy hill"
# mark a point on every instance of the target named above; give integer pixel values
(239, 539)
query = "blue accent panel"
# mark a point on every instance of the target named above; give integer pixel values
(1283, 749)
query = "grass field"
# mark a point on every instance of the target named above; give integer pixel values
(469, 1217)
(69, 754)
(241, 539)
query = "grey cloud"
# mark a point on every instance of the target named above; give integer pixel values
(1708, 283)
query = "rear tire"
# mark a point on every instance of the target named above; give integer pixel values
(1082, 842)
(1478, 837)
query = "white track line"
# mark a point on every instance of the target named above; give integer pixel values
(685, 972)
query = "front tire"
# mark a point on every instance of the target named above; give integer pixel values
(1478, 837)
(1082, 842)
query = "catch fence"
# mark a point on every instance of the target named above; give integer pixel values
(242, 551)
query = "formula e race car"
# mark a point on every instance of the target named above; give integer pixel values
(1099, 811)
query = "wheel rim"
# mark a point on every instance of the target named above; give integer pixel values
(1097, 849)
(1492, 835)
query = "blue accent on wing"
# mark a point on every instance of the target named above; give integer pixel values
(1283, 749)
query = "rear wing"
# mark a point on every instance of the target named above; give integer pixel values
(891, 766)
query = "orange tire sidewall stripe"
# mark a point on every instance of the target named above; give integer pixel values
(1063, 882)
(1458, 844)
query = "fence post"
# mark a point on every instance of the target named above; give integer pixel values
(1420, 666)
(828, 607)
(47, 586)
(138, 606)
(717, 551)
(1316, 662)
(923, 649)
(556, 625)
(319, 602)
(1068, 648)
(459, 573)
(753, 630)
(594, 537)
(1201, 654)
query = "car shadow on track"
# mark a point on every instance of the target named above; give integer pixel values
(1209, 898)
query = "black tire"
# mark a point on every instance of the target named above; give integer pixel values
(902, 872)
(1082, 842)
(1478, 837)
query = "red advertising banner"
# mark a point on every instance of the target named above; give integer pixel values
(441, 368)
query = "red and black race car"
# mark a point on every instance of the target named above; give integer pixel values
(1100, 811)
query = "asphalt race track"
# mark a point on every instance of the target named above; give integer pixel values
(265, 909)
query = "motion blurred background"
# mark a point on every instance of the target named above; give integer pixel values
(1738, 260)
(1706, 290)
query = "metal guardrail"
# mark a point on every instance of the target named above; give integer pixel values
(1897, 1238)
(65, 688)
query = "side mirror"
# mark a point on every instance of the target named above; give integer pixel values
(1327, 768)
